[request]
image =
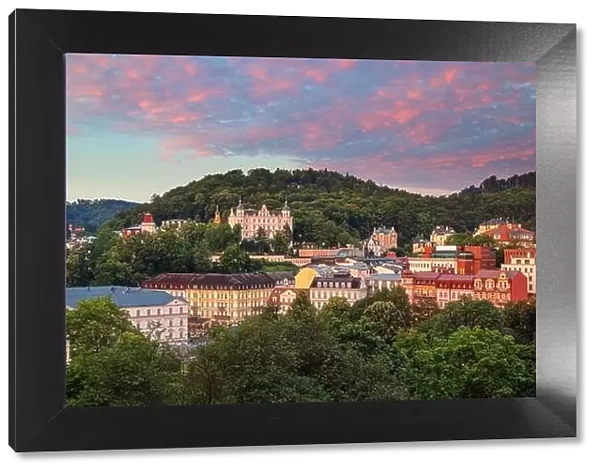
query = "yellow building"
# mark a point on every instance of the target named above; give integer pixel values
(221, 299)
(323, 284)
(495, 223)
(305, 277)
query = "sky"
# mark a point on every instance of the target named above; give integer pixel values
(140, 125)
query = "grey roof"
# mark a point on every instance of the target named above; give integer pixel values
(121, 296)
(384, 277)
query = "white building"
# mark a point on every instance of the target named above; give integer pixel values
(324, 288)
(522, 260)
(173, 223)
(155, 313)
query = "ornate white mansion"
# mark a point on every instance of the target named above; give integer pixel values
(251, 220)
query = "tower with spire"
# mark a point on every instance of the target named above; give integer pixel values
(217, 218)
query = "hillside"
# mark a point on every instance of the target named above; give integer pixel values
(331, 208)
(90, 214)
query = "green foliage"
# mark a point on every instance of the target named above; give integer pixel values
(331, 208)
(519, 320)
(95, 324)
(465, 239)
(112, 260)
(470, 363)
(91, 214)
(280, 243)
(235, 260)
(385, 318)
(396, 296)
(131, 372)
(467, 313)
(466, 350)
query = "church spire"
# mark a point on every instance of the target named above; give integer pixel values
(217, 215)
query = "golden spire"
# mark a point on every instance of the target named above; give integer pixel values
(217, 218)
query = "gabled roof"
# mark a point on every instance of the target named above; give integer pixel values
(122, 296)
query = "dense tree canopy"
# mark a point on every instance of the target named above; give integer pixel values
(331, 208)
(112, 260)
(372, 351)
(90, 214)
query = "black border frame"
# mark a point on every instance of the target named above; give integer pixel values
(38, 420)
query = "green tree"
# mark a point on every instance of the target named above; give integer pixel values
(483, 240)
(520, 320)
(470, 363)
(459, 239)
(397, 296)
(235, 260)
(464, 313)
(386, 319)
(79, 272)
(423, 310)
(280, 243)
(131, 372)
(95, 324)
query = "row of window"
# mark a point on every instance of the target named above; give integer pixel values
(455, 295)
(336, 284)
(156, 324)
(329, 294)
(492, 296)
(169, 311)
(490, 285)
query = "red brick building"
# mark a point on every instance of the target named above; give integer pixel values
(484, 257)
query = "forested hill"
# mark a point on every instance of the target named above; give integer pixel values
(332, 208)
(90, 214)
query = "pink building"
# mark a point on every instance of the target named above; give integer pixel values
(270, 221)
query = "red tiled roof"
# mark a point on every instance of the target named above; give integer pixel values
(188, 280)
(495, 273)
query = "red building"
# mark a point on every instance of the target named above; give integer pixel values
(499, 286)
(484, 257)
(510, 233)
(147, 226)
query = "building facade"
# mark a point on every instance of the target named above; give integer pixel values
(147, 226)
(497, 286)
(494, 223)
(381, 240)
(420, 246)
(511, 233)
(440, 234)
(155, 313)
(221, 299)
(522, 260)
(342, 285)
(380, 282)
(500, 286)
(284, 297)
(271, 222)
(467, 260)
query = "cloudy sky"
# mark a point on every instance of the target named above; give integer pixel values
(139, 125)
